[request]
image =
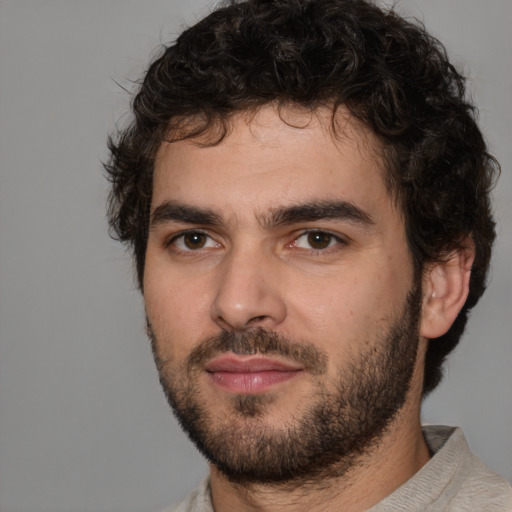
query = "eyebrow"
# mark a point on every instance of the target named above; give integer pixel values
(171, 211)
(319, 210)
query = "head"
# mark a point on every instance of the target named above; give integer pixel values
(347, 59)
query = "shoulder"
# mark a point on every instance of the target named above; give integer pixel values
(481, 489)
(471, 484)
(197, 500)
(454, 480)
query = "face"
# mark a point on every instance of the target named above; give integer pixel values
(280, 295)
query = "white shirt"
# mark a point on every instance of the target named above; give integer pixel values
(453, 480)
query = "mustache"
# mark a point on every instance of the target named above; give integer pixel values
(258, 341)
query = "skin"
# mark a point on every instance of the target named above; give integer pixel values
(248, 272)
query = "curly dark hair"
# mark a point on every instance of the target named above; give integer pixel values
(390, 74)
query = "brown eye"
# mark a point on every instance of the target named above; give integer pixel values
(319, 240)
(194, 240)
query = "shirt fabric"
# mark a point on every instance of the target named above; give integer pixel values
(453, 480)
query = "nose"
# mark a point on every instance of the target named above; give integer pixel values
(248, 293)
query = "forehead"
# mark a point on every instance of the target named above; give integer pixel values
(273, 156)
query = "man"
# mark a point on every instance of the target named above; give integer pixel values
(306, 193)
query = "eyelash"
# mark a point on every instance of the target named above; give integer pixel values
(333, 240)
(182, 234)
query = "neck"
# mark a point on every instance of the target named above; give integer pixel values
(399, 454)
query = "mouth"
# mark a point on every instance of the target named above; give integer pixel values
(249, 374)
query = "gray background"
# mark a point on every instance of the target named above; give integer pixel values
(83, 423)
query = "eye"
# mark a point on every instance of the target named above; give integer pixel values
(192, 241)
(316, 240)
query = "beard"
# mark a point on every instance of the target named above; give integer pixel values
(343, 418)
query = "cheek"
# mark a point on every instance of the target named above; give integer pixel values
(346, 312)
(178, 310)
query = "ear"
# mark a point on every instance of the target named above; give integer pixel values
(445, 289)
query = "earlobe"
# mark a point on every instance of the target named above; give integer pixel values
(445, 289)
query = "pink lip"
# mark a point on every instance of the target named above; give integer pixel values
(249, 375)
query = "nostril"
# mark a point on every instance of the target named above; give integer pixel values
(257, 319)
(244, 300)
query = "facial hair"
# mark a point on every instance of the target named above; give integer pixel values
(345, 417)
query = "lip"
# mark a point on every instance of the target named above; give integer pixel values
(249, 375)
